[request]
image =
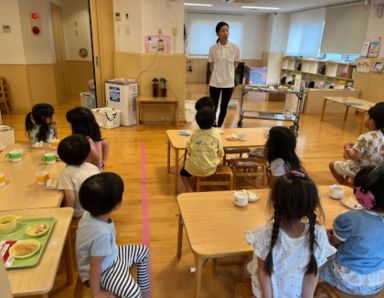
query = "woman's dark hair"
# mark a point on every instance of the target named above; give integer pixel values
(205, 101)
(371, 178)
(101, 193)
(74, 150)
(205, 118)
(294, 197)
(376, 113)
(218, 27)
(40, 112)
(281, 143)
(83, 122)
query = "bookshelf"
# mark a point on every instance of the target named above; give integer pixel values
(322, 73)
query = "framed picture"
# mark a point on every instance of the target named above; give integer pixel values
(363, 65)
(378, 67)
(374, 49)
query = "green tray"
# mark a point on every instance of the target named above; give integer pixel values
(19, 234)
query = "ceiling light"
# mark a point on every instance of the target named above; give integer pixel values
(261, 7)
(198, 4)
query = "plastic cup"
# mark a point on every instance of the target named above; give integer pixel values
(41, 177)
(14, 155)
(2, 179)
(54, 143)
(49, 158)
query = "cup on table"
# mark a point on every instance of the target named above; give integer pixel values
(49, 158)
(8, 224)
(2, 179)
(336, 192)
(14, 155)
(54, 143)
(41, 177)
(240, 198)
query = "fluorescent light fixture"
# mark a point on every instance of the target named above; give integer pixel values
(261, 7)
(198, 4)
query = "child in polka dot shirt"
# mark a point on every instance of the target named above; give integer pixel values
(289, 250)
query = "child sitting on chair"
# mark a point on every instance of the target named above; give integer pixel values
(204, 148)
(101, 263)
(201, 103)
(74, 150)
(368, 149)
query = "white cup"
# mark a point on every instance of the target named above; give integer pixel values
(240, 198)
(336, 191)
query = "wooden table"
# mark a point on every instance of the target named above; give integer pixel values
(21, 190)
(157, 101)
(39, 280)
(256, 137)
(360, 105)
(216, 228)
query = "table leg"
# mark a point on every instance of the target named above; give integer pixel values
(44, 296)
(324, 104)
(362, 122)
(175, 113)
(68, 259)
(214, 267)
(180, 237)
(346, 113)
(176, 169)
(169, 157)
(199, 269)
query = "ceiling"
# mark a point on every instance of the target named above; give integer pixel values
(284, 5)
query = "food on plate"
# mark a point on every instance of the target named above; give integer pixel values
(24, 249)
(37, 229)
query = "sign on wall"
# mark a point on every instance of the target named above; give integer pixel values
(158, 43)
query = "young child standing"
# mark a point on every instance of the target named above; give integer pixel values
(280, 152)
(204, 148)
(358, 266)
(368, 149)
(101, 263)
(40, 124)
(74, 150)
(289, 250)
(83, 122)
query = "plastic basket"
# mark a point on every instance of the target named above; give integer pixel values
(7, 136)
(88, 100)
(107, 117)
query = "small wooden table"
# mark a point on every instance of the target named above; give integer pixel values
(360, 105)
(216, 228)
(255, 138)
(21, 190)
(158, 101)
(40, 279)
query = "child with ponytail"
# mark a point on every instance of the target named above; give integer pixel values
(290, 249)
(40, 123)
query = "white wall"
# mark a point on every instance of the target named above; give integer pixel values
(277, 34)
(146, 17)
(77, 33)
(254, 29)
(11, 44)
(38, 49)
(375, 30)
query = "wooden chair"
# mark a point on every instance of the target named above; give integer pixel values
(325, 290)
(234, 150)
(243, 289)
(222, 177)
(248, 167)
(4, 97)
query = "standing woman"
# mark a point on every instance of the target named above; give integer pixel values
(223, 59)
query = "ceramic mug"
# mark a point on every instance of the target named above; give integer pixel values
(49, 158)
(41, 177)
(54, 143)
(8, 223)
(336, 191)
(2, 179)
(240, 198)
(14, 155)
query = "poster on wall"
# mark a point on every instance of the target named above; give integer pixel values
(363, 66)
(158, 43)
(378, 67)
(374, 49)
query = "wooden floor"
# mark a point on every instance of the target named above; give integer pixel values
(319, 143)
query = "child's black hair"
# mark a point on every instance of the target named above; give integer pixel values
(371, 179)
(205, 118)
(40, 112)
(281, 143)
(376, 113)
(83, 122)
(294, 197)
(74, 150)
(101, 193)
(205, 101)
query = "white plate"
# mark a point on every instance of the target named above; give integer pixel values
(351, 203)
(232, 137)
